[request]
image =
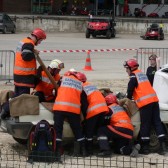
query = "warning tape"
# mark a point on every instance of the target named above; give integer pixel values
(95, 50)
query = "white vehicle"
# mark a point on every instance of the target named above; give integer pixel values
(21, 126)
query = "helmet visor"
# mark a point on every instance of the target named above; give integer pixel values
(61, 65)
(125, 64)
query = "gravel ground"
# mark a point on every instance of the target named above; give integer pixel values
(8, 146)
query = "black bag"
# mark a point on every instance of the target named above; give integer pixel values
(42, 143)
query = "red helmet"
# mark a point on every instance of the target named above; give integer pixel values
(68, 73)
(132, 64)
(81, 76)
(39, 33)
(110, 99)
(71, 71)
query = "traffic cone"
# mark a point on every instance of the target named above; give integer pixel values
(88, 66)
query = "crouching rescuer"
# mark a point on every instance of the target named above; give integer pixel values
(45, 89)
(119, 129)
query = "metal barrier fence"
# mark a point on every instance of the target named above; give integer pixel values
(16, 159)
(112, 58)
(7, 59)
(144, 53)
(6, 65)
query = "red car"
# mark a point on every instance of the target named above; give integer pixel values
(100, 27)
(153, 32)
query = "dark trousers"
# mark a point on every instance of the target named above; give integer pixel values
(150, 116)
(92, 124)
(40, 96)
(74, 121)
(121, 145)
(19, 90)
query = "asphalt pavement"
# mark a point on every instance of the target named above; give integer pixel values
(105, 65)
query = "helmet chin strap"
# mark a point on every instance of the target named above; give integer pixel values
(37, 41)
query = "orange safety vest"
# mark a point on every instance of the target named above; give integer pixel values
(96, 101)
(21, 67)
(120, 119)
(46, 86)
(144, 94)
(68, 95)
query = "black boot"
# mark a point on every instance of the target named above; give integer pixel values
(144, 150)
(104, 147)
(58, 152)
(104, 153)
(4, 114)
(89, 147)
(79, 149)
(162, 149)
(76, 151)
(83, 151)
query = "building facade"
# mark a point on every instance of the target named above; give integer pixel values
(69, 7)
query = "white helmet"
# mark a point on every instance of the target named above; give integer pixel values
(56, 64)
(72, 70)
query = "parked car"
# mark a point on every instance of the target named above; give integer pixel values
(6, 24)
(101, 27)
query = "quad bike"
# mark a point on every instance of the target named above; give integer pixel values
(101, 27)
(153, 32)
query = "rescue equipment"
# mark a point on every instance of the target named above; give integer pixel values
(42, 143)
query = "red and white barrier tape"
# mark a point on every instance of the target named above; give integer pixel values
(95, 50)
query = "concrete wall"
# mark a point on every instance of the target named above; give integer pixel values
(78, 24)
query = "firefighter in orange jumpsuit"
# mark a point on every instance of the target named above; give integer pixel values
(45, 89)
(25, 66)
(93, 109)
(119, 129)
(25, 62)
(140, 89)
(67, 105)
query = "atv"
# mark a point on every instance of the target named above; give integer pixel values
(153, 32)
(100, 27)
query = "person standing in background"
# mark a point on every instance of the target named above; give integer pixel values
(150, 72)
(120, 7)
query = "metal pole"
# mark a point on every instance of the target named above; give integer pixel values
(114, 9)
(96, 5)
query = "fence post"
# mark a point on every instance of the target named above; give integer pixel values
(7, 58)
